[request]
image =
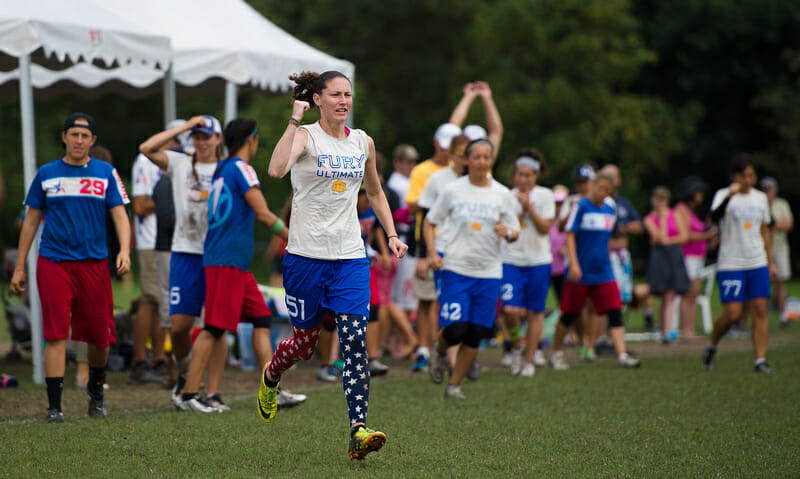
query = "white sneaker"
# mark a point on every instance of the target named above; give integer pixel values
(215, 400)
(325, 373)
(539, 359)
(528, 370)
(557, 362)
(453, 391)
(288, 399)
(516, 361)
(196, 405)
(377, 368)
(505, 360)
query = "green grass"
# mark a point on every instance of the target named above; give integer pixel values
(668, 419)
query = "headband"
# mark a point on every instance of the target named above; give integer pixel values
(530, 162)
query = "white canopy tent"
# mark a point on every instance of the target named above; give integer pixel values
(79, 30)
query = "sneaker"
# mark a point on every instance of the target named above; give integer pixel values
(528, 370)
(176, 392)
(327, 374)
(143, 374)
(55, 415)
(338, 366)
(505, 360)
(215, 400)
(474, 372)
(365, 441)
(97, 408)
(195, 404)
(628, 362)
(516, 361)
(287, 399)
(558, 363)
(267, 401)
(420, 364)
(453, 391)
(708, 358)
(539, 359)
(438, 367)
(588, 354)
(377, 368)
(763, 367)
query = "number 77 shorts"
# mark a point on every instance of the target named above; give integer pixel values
(743, 285)
(315, 285)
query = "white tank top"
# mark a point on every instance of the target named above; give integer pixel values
(325, 181)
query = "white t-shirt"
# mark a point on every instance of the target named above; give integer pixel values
(474, 248)
(191, 201)
(433, 188)
(399, 184)
(325, 181)
(145, 176)
(532, 248)
(741, 246)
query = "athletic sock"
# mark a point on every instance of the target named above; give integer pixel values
(622, 356)
(54, 388)
(760, 360)
(97, 377)
(710, 347)
(423, 352)
(270, 383)
(188, 396)
(507, 345)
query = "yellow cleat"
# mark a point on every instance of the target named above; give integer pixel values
(267, 401)
(364, 441)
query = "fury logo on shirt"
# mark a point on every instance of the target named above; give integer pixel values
(335, 166)
(75, 186)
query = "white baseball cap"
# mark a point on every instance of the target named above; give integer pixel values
(445, 134)
(475, 132)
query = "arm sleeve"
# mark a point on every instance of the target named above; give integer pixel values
(719, 205)
(422, 248)
(116, 194)
(36, 198)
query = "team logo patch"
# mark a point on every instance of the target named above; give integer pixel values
(338, 187)
(476, 226)
(248, 172)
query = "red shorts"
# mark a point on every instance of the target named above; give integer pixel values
(76, 293)
(231, 296)
(604, 297)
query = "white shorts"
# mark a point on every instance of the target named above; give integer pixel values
(162, 266)
(694, 266)
(783, 264)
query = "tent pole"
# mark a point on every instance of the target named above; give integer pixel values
(231, 101)
(170, 102)
(29, 171)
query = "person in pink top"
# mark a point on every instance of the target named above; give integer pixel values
(691, 196)
(558, 246)
(666, 272)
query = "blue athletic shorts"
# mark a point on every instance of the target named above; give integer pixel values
(464, 298)
(315, 285)
(187, 284)
(437, 279)
(526, 286)
(742, 286)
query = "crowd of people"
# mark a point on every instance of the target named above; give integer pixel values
(482, 255)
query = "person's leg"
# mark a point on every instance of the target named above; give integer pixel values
(216, 364)
(181, 336)
(667, 310)
(688, 309)
(204, 346)
(534, 334)
(399, 319)
(730, 314)
(55, 358)
(760, 335)
(780, 296)
(300, 346)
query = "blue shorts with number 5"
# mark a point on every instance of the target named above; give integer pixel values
(744, 285)
(468, 299)
(314, 285)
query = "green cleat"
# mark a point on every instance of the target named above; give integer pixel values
(364, 441)
(267, 401)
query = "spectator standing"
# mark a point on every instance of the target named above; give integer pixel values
(782, 224)
(558, 247)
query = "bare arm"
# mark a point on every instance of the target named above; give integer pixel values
(683, 230)
(258, 203)
(153, 147)
(575, 272)
(291, 144)
(377, 199)
(123, 227)
(656, 237)
(429, 235)
(143, 205)
(26, 235)
(766, 236)
(494, 123)
(462, 108)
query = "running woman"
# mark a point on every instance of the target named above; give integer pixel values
(526, 263)
(72, 195)
(745, 259)
(480, 214)
(325, 267)
(231, 291)
(589, 274)
(191, 183)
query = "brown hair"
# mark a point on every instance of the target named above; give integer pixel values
(101, 153)
(309, 83)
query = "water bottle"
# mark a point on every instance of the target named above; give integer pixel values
(8, 381)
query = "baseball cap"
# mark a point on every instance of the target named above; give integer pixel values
(445, 134)
(184, 138)
(212, 127)
(768, 183)
(475, 132)
(70, 121)
(583, 173)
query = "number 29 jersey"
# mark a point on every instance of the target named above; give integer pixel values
(74, 200)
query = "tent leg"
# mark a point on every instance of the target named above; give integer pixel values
(170, 102)
(29, 171)
(231, 101)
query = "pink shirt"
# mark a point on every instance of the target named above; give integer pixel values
(557, 239)
(672, 224)
(694, 248)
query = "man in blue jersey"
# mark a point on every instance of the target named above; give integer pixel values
(589, 275)
(72, 195)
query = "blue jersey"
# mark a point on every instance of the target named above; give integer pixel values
(592, 226)
(229, 241)
(626, 213)
(74, 200)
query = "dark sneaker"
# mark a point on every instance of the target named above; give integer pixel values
(365, 441)
(708, 358)
(177, 390)
(97, 408)
(420, 364)
(144, 375)
(763, 367)
(438, 367)
(195, 404)
(474, 372)
(55, 415)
